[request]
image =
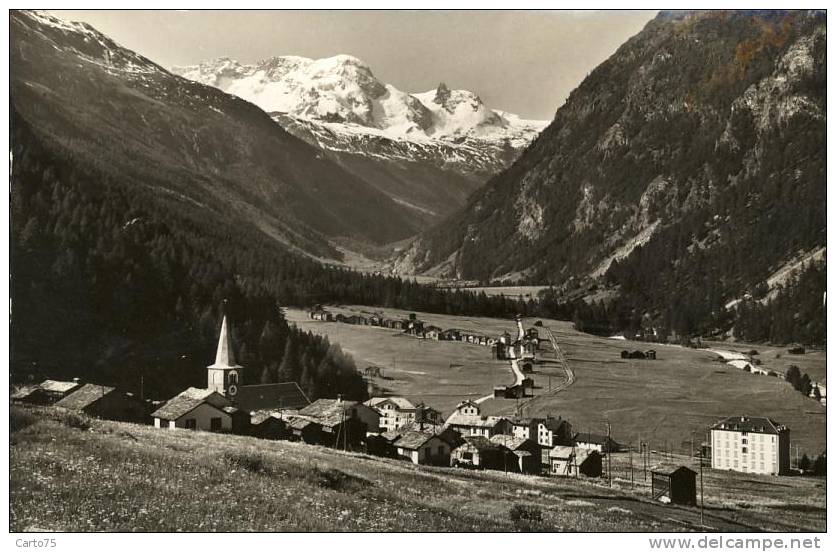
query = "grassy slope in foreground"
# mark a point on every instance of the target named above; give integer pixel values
(72, 473)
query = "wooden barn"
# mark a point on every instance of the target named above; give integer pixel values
(304, 430)
(47, 392)
(573, 462)
(107, 403)
(675, 485)
(477, 452)
(268, 425)
(521, 455)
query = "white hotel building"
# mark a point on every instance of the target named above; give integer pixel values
(751, 445)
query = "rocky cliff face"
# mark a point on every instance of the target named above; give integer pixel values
(699, 145)
(428, 151)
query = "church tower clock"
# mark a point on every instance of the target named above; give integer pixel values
(224, 376)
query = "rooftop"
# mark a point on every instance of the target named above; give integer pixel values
(400, 402)
(750, 425)
(54, 386)
(85, 396)
(187, 401)
(413, 440)
(480, 443)
(271, 396)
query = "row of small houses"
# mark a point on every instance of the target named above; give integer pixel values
(501, 346)
(387, 426)
(411, 326)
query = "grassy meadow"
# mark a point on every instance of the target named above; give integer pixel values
(666, 402)
(72, 473)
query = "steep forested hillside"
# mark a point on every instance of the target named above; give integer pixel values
(678, 176)
(134, 120)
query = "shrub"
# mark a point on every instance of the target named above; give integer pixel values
(336, 480)
(20, 419)
(72, 419)
(525, 512)
(248, 461)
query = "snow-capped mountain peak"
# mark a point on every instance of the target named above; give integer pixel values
(426, 150)
(343, 90)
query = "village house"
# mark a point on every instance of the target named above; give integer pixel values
(107, 403)
(554, 431)
(525, 428)
(446, 434)
(674, 485)
(752, 445)
(304, 430)
(338, 409)
(423, 448)
(477, 452)
(432, 332)
(573, 461)
(451, 334)
(201, 409)
(395, 412)
(467, 420)
(596, 442)
(268, 425)
(46, 392)
(524, 454)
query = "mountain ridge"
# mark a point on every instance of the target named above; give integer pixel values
(672, 154)
(102, 101)
(426, 150)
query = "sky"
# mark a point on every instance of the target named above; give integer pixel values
(525, 62)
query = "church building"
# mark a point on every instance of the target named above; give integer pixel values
(226, 377)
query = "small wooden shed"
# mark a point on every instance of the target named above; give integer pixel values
(675, 485)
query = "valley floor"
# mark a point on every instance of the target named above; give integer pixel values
(668, 402)
(73, 473)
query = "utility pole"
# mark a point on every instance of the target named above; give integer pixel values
(631, 465)
(644, 459)
(702, 495)
(609, 455)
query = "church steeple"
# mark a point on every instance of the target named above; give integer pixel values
(225, 356)
(223, 376)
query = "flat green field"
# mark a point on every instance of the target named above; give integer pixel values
(441, 373)
(667, 402)
(72, 473)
